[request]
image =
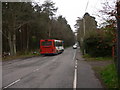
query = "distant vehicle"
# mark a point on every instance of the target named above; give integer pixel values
(75, 46)
(51, 46)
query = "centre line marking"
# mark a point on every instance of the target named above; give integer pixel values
(74, 55)
(75, 73)
(11, 84)
(75, 80)
(76, 62)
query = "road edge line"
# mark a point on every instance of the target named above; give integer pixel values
(11, 84)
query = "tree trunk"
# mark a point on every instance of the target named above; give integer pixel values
(14, 44)
(14, 35)
(10, 43)
(27, 38)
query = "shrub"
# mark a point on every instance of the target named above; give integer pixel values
(98, 44)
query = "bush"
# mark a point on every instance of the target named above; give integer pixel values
(98, 45)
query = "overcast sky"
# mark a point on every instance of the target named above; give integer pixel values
(71, 9)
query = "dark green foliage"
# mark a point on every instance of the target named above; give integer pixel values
(29, 23)
(62, 30)
(98, 45)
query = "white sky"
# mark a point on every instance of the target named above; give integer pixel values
(71, 9)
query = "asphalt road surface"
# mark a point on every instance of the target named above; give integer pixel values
(66, 70)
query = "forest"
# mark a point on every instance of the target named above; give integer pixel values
(24, 24)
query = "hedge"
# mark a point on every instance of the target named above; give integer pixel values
(98, 45)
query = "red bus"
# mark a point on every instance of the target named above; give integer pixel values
(51, 46)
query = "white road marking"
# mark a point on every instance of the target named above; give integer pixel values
(11, 84)
(75, 73)
(76, 62)
(75, 80)
(35, 70)
(74, 55)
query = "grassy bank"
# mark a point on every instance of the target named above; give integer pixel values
(105, 70)
(109, 76)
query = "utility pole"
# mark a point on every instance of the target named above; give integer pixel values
(84, 32)
(84, 26)
(118, 39)
(84, 29)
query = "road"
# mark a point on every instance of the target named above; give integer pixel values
(66, 70)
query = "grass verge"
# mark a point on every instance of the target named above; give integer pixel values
(108, 75)
(106, 72)
(21, 55)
